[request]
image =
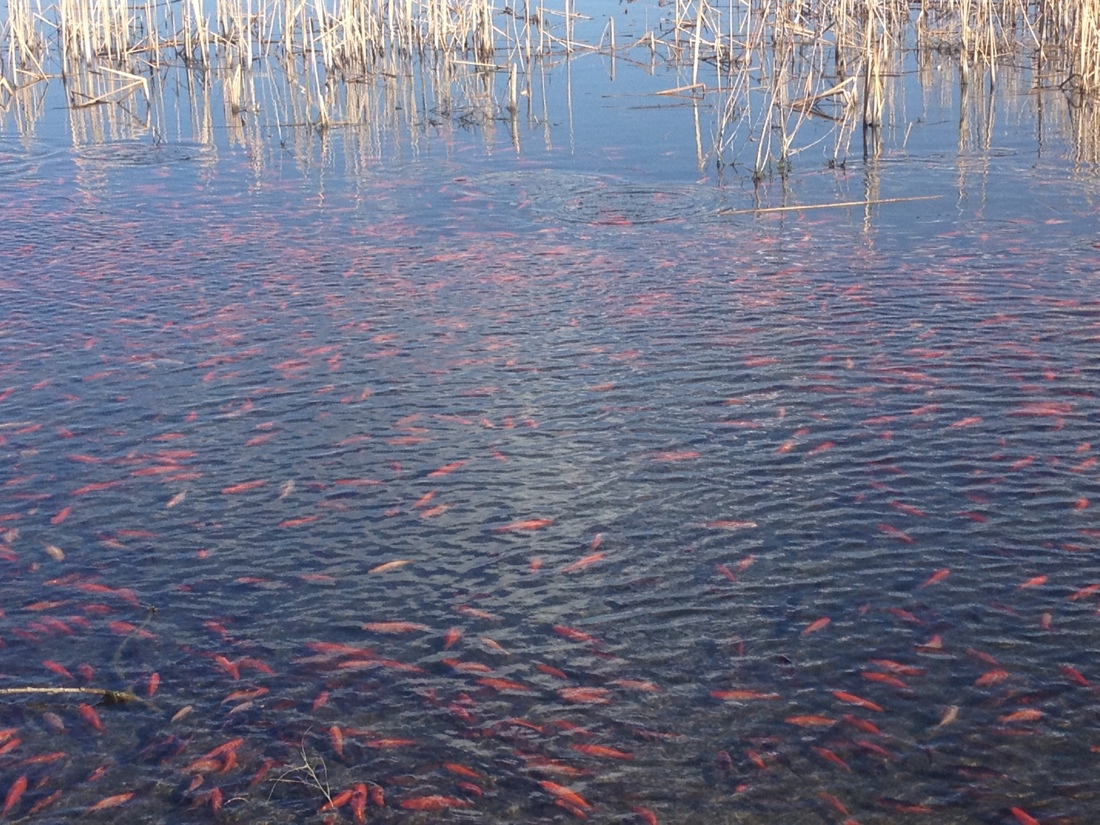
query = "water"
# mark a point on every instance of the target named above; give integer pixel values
(611, 453)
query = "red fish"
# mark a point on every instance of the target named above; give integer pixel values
(445, 469)
(885, 678)
(819, 624)
(111, 802)
(433, 803)
(526, 524)
(829, 756)
(742, 695)
(602, 751)
(991, 677)
(61, 515)
(900, 535)
(243, 487)
(810, 721)
(502, 684)
(565, 794)
(858, 701)
(394, 627)
(588, 696)
(90, 716)
(935, 578)
(580, 564)
(15, 793)
(1035, 581)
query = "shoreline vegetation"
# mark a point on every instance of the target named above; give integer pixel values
(763, 67)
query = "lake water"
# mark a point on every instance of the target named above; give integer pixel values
(515, 474)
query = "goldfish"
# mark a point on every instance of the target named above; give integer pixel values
(390, 565)
(819, 624)
(502, 684)
(243, 487)
(394, 627)
(885, 678)
(742, 695)
(433, 803)
(858, 701)
(991, 677)
(830, 756)
(810, 721)
(573, 635)
(583, 695)
(601, 751)
(580, 564)
(111, 802)
(526, 524)
(90, 716)
(565, 794)
(15, 793)
(445, 469)
(935, 578)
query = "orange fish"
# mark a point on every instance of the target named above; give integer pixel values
(936, 577)
(810, 721)
(433, 803)
(445, 469)
(991, 677)
(742, 695)
(572, 634)
(1023, 817)
(580, 564)
(583, 695)
(829, 756)
(1085, 592)
(1074, 675)
(565, 794)
(111, 802)
(550, 670)
(1035, 581)
(965, 422)
(526, 524)
(90, 716)
(819, 624)
(602, 751)
(243, 487)
(900, 535)
(390, 565)
(228, 666)
(61, 515)
(885, 678)
(858, 701)
(897, 667)
(1026, 715)
(298, 522)
(336, 737)
(15, 793)
(451, 637)
(502, 684)
(394, 627)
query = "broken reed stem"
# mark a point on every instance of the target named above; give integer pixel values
(111, 697)
(872, 202)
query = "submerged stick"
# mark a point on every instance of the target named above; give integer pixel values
(111, 697)
(872, 202)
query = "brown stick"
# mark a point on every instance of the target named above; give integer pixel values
(111, 697)
(825, 205)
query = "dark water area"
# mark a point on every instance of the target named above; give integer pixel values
(536, 486)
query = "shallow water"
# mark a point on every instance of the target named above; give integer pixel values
(759, 516)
